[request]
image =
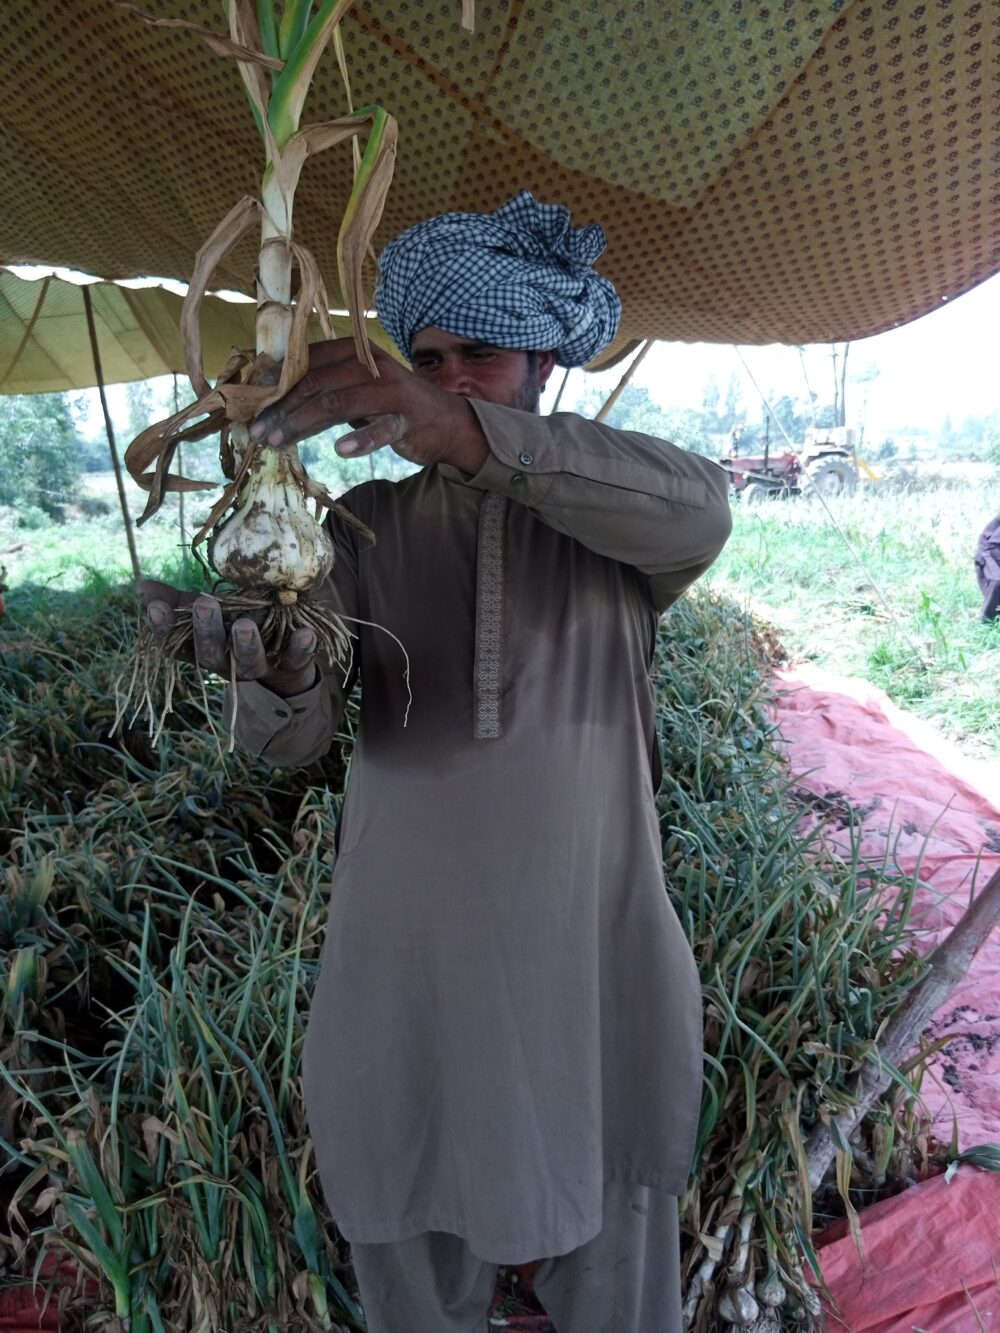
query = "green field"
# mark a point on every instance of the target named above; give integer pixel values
(901, 611)
(786, 561)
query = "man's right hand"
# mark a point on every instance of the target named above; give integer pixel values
(294, 673)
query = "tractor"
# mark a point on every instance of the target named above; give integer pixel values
(826, 464)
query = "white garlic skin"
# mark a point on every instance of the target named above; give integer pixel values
(272, 539)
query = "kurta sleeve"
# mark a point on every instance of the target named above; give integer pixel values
(289, 733)
(638, 500)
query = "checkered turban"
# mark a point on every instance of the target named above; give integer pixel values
(521, 277)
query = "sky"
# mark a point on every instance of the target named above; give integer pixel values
(942, 365)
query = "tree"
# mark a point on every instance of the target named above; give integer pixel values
(990, 443)
(826, 417)
(686, 427)
(809, 389)
(40, 452)
(141, 410)
(636, 410)
(865, 377)
(946, 435)
(710, 396)
(732, 411)
(791, 419)
(886, 450)
(839, 359)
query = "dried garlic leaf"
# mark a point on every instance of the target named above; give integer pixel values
(222, 46)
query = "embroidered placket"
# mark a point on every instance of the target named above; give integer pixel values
(487, 721)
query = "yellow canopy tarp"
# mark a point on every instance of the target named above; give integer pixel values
(45, 346)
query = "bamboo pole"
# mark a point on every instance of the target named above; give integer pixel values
(616, 392)
(562, 386)
(28, 331)
(949, 963)
(112, 447)
(180, 468)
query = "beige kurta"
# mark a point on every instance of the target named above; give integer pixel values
(507, 1013)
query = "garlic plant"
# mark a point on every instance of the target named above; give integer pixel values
(267, 545)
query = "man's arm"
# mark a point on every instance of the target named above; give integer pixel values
(288, 733)
(641, 501)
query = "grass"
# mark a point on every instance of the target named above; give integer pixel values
(90, 551)
(929, 651)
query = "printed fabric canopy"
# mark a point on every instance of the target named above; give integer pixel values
(770, 171)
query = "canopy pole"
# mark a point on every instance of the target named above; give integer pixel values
(112, 447)
(180, 468)
(28, 331)
(562, 386)
(616, 392)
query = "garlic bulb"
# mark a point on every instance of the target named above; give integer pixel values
(271, 540)
(770, 1290)
(737, 1305)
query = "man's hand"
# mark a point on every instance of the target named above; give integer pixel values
(293, 674)
(421, 422)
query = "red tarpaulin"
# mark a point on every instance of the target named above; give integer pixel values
(932, 1255)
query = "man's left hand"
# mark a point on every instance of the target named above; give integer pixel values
(421, 422)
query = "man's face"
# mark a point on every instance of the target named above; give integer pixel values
(480, 370)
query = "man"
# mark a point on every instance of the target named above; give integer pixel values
(503, 1059)
(987, 567)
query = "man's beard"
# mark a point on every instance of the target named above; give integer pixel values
(528, 393)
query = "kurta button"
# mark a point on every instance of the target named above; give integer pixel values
(517, 479)
(525, 460)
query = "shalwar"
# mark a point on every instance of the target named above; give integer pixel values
(508, 1014)
(625, 1280)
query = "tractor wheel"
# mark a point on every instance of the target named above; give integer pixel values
(755, 493)
(831, 476)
